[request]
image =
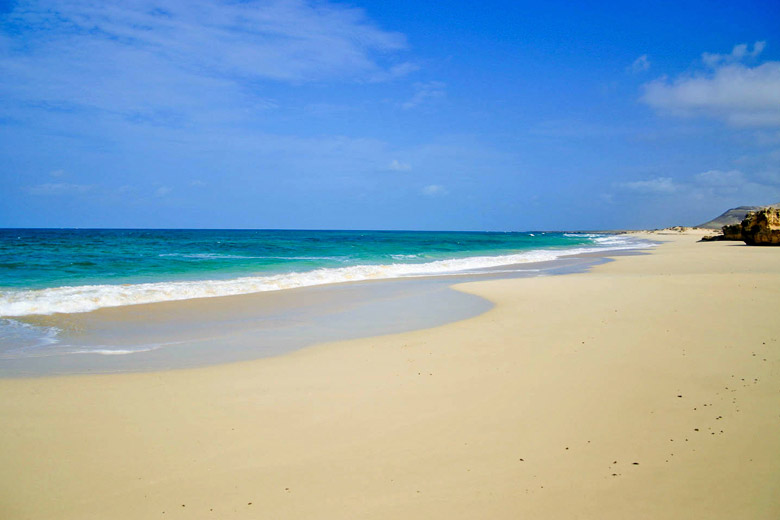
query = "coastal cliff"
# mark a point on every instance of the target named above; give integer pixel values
(761, 227)
(758, 228)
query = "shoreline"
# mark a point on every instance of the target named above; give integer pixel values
(645, 387)
(187, 277)
(209, 331)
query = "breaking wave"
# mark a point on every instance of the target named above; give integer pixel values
(85, 298)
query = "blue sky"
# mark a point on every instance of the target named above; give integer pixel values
(386, 115)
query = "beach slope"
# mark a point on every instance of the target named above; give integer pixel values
(648, 387)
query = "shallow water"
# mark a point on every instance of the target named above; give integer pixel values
(158, 321)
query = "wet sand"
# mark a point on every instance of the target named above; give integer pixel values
(209, 331)
(648, 387)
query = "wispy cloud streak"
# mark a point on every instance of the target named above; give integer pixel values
(158, 63)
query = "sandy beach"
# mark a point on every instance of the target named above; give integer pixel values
(648, 387)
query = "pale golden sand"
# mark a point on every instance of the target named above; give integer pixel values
(538, 409)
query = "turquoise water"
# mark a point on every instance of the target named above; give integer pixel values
(44, 271)
(48, 278)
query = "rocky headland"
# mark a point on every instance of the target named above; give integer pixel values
(732, 216)
(757, 228)
(762, 228)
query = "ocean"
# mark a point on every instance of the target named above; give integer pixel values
(45, 272)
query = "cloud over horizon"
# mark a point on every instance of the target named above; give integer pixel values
(717, 188)
(655, 185)
(732, 91)
(340, 113)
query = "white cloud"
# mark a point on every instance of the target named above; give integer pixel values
(197, 183)
(726, 188)
(738, 94)
(399, 166)
(284, 40)
(717, 178)
(738, 53)
(162, 191)
(57, 173)
(396, 71)
(58, 188)
(190, 59)
(735, 187)
(640, 64)
(433, 190)
(656, 185)
(425, 92)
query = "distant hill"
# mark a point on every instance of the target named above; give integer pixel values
(732, 216)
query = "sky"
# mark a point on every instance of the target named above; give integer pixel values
(450, 115)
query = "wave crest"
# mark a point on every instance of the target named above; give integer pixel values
(86, 298)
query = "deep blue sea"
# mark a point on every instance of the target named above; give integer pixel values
(45, 271)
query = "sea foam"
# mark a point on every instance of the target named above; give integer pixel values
(86, 298)
(16, 338)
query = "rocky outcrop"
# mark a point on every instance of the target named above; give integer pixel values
(732, 216)
(732, 232)
(761, 228)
